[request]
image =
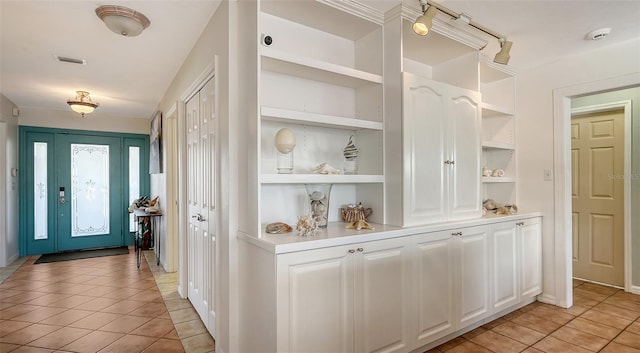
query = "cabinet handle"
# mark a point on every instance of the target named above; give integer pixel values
(351, 251)
(447, 162)
(457, 234)
(519, 223)
(453, 162)
(360, 249)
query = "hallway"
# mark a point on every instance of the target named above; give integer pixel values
(97, 305)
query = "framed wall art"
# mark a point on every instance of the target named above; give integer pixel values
(155, 137)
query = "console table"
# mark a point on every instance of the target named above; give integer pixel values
(146, 222)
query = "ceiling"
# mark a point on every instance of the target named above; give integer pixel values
(129, 75)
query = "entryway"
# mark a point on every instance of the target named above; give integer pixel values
(76, 187)
(598, 169)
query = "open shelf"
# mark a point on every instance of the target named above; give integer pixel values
(306, 118)
(319, 179)
(498, 179)
(317, 70)
(491, 110)
(487, 145)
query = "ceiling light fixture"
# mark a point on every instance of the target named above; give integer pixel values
(423, 24)
(502, 57)
(422, 27)
(82, 104)
(123, 20)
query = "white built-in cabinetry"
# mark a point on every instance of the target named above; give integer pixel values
(441, 151)
(391, 291)
(357, 296)
(321, 77)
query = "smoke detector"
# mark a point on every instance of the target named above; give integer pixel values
(598, 34)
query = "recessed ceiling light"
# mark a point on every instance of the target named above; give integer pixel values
(598, 34)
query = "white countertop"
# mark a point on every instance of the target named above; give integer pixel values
(336, 234)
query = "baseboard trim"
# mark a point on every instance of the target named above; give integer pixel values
(547, 299)
(635, 290)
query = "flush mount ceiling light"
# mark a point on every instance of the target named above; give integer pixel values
(82, 103)
(123, 20)
(423, 23)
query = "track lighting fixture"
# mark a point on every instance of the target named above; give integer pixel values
(423, 23)
(503, 55)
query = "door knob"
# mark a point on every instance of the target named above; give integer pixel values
(198, 217)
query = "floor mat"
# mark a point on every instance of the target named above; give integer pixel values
(81, 254)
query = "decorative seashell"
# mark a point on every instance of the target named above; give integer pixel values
(490, 204)
(497, 173)
(359, 225)
(350, 151)
(307, 226)
(325, 168)
(285, 140)
(502, 210)
(278, 228)
(486, 172)
(513, 209)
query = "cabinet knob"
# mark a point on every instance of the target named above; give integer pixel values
(519, 223)
(447, 162)
(351, 251)
(360, 249)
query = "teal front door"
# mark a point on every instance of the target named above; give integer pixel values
(90, 196)
(76, 187)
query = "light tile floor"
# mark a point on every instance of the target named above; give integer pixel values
(101, 305)
(602, 319)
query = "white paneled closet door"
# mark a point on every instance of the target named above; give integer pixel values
(201, 170)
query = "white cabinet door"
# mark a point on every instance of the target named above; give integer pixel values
(474, 275)
(434, 282)
(383, 297)
(441, 152)
(315, 301)
(530, 233)
(423, 138)
(504, 265)
(463, 114)
(346, 298)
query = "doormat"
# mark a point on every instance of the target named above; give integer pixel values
(81, 254)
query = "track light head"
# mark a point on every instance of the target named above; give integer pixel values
(502, 57)
(423, 24)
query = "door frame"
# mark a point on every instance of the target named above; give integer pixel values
(126, 139)
(626, 107)
(183, 225)
(562, 180)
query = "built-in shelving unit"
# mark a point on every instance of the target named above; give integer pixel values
(323, 80)
(497, 85)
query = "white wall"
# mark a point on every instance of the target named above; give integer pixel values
(632, 94)
(213, 45)
(535, 131)
(8, 183)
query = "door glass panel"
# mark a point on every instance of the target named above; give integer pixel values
(40, 209)
(134, 181)
(89, 190)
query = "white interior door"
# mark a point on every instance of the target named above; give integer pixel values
(597, 160)
(201, 180)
